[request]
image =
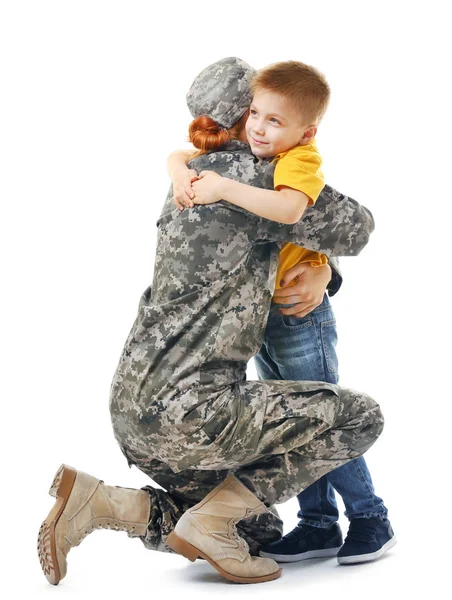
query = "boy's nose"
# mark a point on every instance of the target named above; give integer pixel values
(258, 128)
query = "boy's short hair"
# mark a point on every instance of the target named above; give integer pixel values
(301, 84)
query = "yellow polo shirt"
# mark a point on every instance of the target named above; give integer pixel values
(299, 168)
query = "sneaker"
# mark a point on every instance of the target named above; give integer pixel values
(367, 539)
(305, 542)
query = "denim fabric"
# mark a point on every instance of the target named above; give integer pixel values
(305, 349)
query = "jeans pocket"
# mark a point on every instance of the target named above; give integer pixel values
(329, 341)
(290, 322)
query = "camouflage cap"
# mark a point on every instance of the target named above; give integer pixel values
(222, 91)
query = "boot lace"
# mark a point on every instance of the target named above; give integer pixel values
(115, 526)
(237, 537)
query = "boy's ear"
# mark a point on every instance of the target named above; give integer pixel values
(308, 135)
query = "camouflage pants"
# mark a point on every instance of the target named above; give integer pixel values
(277, 437)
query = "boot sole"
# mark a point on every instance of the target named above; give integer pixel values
(184, 548)
(61, 488)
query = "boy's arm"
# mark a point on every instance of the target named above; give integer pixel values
(182, 177)
(177, 161)
(284, 205)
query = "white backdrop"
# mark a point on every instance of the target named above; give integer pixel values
(92, 101)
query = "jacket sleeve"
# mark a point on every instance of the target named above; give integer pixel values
(336, 226)
(336, 276)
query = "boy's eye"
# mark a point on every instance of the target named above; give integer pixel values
(273, 120)
(253, 112)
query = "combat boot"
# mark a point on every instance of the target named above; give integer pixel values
(208, 530)
(84, 503)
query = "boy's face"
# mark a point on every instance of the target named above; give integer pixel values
(273, 125)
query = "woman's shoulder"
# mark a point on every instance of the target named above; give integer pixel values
(236, 162)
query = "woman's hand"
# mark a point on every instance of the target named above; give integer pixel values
(207, 188)
(308, 291)
(182, 188)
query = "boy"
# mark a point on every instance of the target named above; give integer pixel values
(289, 100)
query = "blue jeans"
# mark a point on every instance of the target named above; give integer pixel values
(305, 349)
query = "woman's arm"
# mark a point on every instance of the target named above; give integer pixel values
(285, 205)
(336, 276)
(335, 226)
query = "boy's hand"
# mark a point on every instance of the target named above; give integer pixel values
(182, 188)
(208, 188)
(308, 292)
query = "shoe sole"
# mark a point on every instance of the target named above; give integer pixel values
(289, 558)
(184, 548)
(61, 488)
(353, 560)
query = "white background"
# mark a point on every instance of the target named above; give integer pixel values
(92, 101)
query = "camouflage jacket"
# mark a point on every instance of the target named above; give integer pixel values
(214, 278)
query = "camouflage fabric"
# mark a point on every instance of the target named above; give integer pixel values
(181, 407)
(222, 91)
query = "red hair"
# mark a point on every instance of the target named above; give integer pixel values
(204, 133)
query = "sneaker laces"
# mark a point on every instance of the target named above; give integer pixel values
(360, 531)
(299, 532)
